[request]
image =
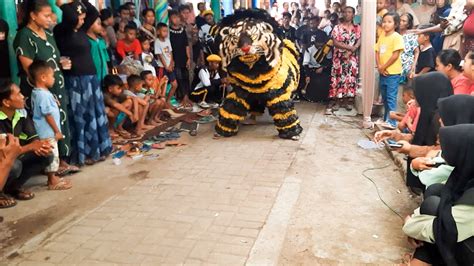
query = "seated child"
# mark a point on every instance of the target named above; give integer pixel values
(208, 84)
(142, 105)
(119, 107)
(147, 58)
(129, 46)
(407, 122)
(46, 118)
(156, 91)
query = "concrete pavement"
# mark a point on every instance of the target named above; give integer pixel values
(251, 199)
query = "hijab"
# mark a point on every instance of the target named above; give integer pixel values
(70, 19)
(92, 14)
(457, 109)
(457, 144)
(428, 89)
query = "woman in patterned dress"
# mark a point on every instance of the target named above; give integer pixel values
(89, 125)
(410, 53)
(35, 42)
(345, 63)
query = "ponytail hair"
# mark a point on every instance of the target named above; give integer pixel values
(30, 6)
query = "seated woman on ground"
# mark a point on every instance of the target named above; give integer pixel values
(428, 89)
(155, 90)
(119, 107)
(407, 121)
(141, 104)
(453, 110)
(446, 216)
(449, 62)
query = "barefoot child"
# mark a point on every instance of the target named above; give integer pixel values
(156, 90)
(141, 103)
(119, 107)
(46, 118)
(164, 55)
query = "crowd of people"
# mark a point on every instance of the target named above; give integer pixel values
(98, 76)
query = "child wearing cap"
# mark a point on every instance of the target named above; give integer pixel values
(208, 84)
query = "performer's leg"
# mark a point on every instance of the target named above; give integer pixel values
(235, 109)
(284, 115)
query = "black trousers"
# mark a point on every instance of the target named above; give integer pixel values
(212, 94)
(24, 168)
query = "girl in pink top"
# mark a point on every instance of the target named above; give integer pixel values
(449, 62)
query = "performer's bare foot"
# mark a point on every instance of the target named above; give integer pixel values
(250, 121)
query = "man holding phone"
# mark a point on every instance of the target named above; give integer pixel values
(34, 154)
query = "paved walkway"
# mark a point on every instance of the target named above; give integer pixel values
(251, 199)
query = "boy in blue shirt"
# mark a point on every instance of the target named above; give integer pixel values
(46, 118)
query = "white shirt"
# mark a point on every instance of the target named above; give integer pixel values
(163, 48)
(308, 59)
(205, 78)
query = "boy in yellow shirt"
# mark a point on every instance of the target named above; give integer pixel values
(388, 49)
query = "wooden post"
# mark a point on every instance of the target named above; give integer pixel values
(8, 13)
(367, 62)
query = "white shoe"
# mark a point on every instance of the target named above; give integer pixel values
(213, 105)
(203, 104)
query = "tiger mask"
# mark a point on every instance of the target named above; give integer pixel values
(250, 43)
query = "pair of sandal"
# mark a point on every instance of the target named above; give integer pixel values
(70, 169)
(7, 201)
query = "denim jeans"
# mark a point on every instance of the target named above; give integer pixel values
(389, 90)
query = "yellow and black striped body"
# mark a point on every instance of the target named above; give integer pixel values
(264, 77)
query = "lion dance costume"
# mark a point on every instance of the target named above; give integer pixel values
(263, 70)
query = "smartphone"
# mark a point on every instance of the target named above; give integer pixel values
(434, 164)
(395, 145)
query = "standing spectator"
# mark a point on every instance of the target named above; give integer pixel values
(129, 46)
(286, 7)
(200, 20)
(4, 55)
(469, 68)
(388, 49)
(325, 20)
(107, 20)
(424, 11)
(46, 118)
(35, 42)
(147, 57)
(381, 11)
(288, 31)
(410, 54)
(334, 20)
(123, 15)
(468, 29)
(404, 8)
(452, 26)
(93, 27)
(443, 8)
(449, 62)
(148, 29)
(192, 32)
(164, 54)
(88, 119)
(205, 37)
(181, 56)
(427, 59)
(345, 68)
(301, 32)
(133, 14)
(336, 8)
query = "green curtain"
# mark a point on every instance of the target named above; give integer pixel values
(8, 13)
(56, 10)
(216, 8)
